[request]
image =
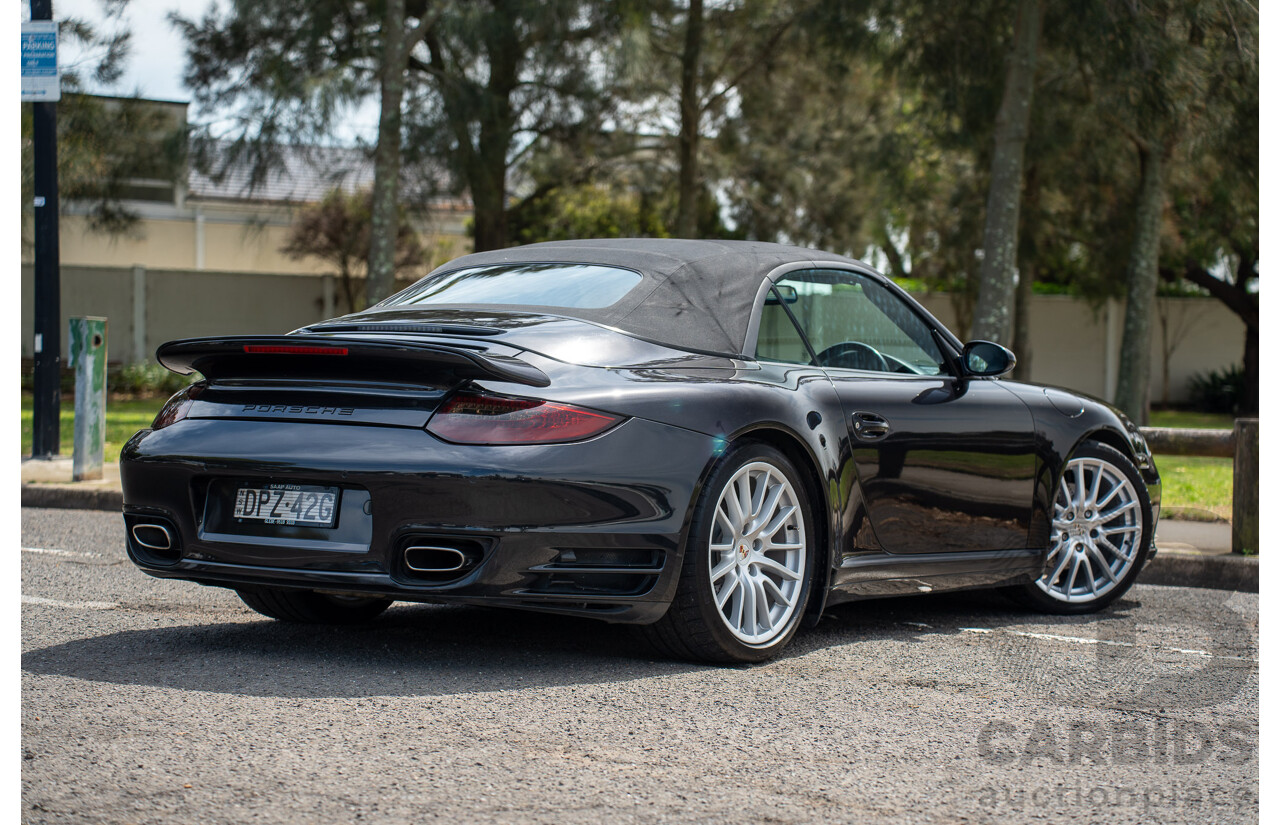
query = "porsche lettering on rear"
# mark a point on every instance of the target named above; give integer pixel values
(297, 410)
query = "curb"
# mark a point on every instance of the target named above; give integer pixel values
(1179, 569)
(1218, 571)
(71, 497)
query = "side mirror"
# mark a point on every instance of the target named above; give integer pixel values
(986, 359)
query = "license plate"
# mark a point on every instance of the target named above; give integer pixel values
(291, 504)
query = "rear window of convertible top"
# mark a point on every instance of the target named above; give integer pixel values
(571, 286)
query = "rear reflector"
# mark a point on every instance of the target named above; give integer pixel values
(468, 418)
(258, 349)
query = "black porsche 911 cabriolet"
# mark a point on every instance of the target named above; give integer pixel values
(709, 440)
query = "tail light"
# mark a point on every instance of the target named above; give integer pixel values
(177, 407)
(470, 418)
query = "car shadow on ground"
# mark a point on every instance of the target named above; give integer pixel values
(434, 650)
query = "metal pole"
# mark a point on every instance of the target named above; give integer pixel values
(88, 340)
(48, 311)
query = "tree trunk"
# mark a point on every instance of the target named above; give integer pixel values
(1000, 236)
(690, 123)
(1244, 272)
(488, 172)
(1022, 322)
(488, 196)
(348, 286)
(1166, 353)
(1134, 379)
(1028, 257)
(1249, 404)
(386, 164)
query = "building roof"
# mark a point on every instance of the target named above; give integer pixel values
(298, 174)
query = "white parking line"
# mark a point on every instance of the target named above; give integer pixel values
(1084, 640)
(71, 605)
(55, 552)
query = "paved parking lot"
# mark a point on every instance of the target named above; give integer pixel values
(147, 701)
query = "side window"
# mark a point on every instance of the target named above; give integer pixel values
(779, 339)
(853, 322)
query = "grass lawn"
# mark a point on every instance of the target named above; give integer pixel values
(1192, 420)
(1195, 488)
(124, 418)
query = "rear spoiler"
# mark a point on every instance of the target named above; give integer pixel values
(298, 356)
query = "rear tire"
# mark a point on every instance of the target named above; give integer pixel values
(310, 607)
(748, 563)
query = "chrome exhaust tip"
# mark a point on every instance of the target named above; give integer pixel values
(428, 559)
(153, 536)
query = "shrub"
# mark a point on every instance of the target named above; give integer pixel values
(147, 379)
(1218, 391)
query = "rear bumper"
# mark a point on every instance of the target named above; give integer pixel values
(594, 528)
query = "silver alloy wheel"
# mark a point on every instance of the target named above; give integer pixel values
(1097, 530)
(757, 552)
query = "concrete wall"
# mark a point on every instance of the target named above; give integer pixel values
(1072, 345)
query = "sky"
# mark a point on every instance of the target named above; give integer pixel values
(158, 57)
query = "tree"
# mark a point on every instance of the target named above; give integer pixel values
(690, 119)
(691, 62)
(1212, 226)
(338, 231)
(1161, 59)
(397, 43)
(485, 81)
(806, 156)
(1000, 237)
(1177, 319)
(103, 143)
(504, 74)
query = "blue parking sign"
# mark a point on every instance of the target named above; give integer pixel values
(40, 61)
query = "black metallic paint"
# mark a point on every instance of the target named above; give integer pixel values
(598, 527)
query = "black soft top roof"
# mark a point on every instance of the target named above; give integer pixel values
(694, 295)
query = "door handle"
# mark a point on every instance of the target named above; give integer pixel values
(869, 426)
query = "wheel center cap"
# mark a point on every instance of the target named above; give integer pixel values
(1078, 530)
(743, 551)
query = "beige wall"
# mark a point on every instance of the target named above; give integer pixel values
(218, 237)
(1075, 346)
(1070, 344)
(183, 304)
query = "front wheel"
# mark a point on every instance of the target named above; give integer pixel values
(310, 607)
(748, 563)
(1101, 532)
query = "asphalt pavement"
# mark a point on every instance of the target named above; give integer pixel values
(152, 701)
